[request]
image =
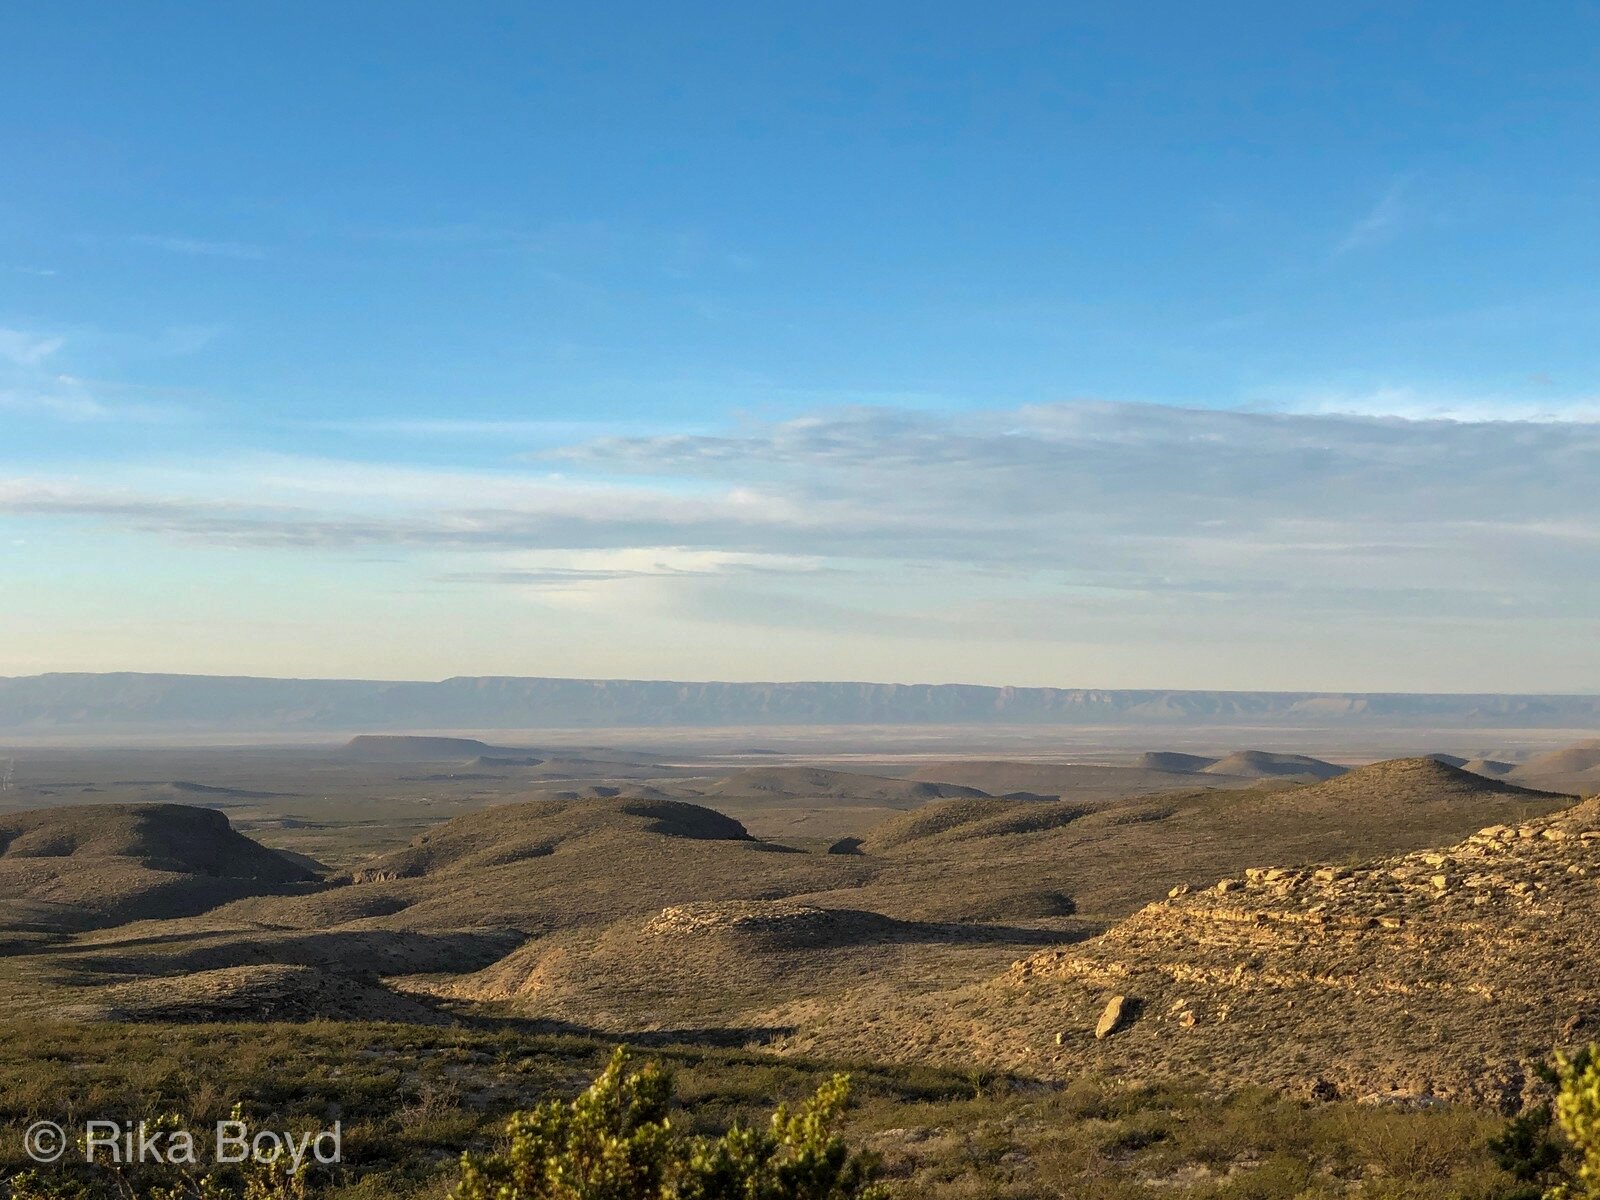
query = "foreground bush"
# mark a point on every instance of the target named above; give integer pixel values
(1553, 1151)
(1578, 1111)
(616, 1142)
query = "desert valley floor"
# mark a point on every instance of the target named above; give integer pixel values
(1410, 930)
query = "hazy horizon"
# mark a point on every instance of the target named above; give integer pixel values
(797, 680)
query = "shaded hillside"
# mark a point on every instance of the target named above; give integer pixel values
(470, 891)
(814, 783)
(511, 833)
(97, 864)
(260, 993)
(160, 837)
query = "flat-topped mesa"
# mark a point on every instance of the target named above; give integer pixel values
(401, 747)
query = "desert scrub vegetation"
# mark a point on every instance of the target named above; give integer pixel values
(617, 1141)
(1553, 1149)
(412, 1099)
(1558, 1145)
(1578, 1109)
(409, 1099)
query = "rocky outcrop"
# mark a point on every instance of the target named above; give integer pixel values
(1436, 973)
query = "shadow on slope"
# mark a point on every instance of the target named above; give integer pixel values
(93, 865)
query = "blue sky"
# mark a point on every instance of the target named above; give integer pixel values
(1238, 345)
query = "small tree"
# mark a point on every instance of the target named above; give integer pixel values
(617, 1142)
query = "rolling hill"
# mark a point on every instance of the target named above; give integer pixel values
(1572, 760)
(1263, 764)
(88, 865)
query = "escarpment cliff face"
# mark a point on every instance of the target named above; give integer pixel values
(90, 703)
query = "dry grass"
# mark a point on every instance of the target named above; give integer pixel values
(410, 1099)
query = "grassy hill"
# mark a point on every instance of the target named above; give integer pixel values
(1263, 764)
(103, 864)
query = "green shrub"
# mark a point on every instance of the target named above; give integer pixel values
(1577, 1108)
(617, 1142)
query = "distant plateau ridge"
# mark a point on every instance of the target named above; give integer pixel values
(203, 704)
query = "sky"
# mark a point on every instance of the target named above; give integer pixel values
(1239, 345)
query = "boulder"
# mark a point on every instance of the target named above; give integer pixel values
(1118, 1010)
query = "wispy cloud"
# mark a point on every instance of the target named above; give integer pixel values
(25, 349)
(462, 427)
(1204, 544)
(1382, 222)
(1134, 499)
(64, 404)
(33, 383)
(1420, 404)
(201, 247)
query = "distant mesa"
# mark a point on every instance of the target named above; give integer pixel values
(1492, 767)
(1263, 764)
(386, 747)
(1174, 762)
(88, 703)
(1449, 760)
